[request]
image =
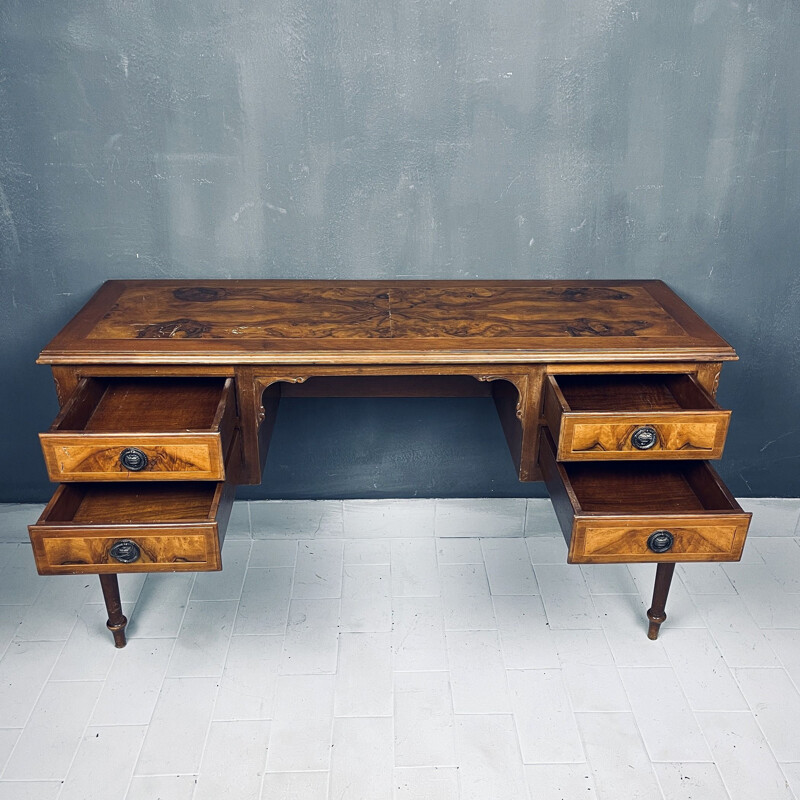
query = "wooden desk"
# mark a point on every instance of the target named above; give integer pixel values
(169, 390)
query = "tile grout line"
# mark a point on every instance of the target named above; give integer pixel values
(82, 737)
(160, 689)
(34, 704)
(224, 663)
(748, 709)
(731, 667)
(451, 705)
(622, 684)
(94, 705)
(719, 771)
(792, 681)
(336, 671)
(278, 673)
(754, 715)
(392, 653)
(694, 712)
(216, 696)
(639, 729)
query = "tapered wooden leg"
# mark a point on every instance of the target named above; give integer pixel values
(656, 613)
(116, 619)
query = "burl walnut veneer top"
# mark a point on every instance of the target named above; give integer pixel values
(380, 322)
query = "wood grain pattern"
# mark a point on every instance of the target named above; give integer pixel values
(594, 417)
(625, 539)
(349, 310)
(184, 427)
(283, 310)
(593, 360)
(161, 547)
(621, 367)
(97, 458)
(693, 436)
(607, 512)
(628, 392)
(144, 404)
(66, 380)
(252, 399)
(178, 527)
(514, 400)
(349, 322)
(513, 311)
(708, 377)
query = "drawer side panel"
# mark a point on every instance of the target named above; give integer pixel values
(564, 503)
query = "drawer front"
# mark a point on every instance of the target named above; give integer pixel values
(706, 538)
(619, 534)
(71, 552)
(610, 434)
(159, 527)
(586, 437)
(92, 457)
(142, 430)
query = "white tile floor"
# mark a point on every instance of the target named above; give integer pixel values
(404, 650)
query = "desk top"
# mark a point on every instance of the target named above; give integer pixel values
(383, 322)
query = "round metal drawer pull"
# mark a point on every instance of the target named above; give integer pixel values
(660, 541)
(133, 458)
(644, 437)
(125, 551)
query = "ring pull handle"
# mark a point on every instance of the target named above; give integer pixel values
(660, 541)
(133, 459)
(125, 551)
(644, 437)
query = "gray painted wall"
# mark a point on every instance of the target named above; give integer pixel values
(411, 138)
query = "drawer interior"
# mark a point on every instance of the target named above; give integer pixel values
(647, 487)
(132, 503)
(648, 393)
(106, 405)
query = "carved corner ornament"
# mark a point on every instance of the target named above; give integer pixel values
(264, 383)
(520, 383)
(715, 384)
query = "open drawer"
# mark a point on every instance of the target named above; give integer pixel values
(643, 511)
(134, 527)
(129, 527)
(605, 417)
(142, 429)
